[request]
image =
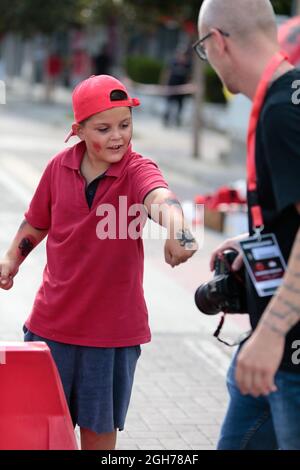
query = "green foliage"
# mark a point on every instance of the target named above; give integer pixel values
(177, 9)
(143, 69)
(213, 87)
(282, 7)
(30, 16)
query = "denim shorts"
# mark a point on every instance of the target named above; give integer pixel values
(97, 382)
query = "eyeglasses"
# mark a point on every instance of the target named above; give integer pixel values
(199, 46)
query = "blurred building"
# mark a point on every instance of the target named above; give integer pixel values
(27, 58)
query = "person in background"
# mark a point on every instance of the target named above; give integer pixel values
(80, 66)
(102, 62)
(53, 73)
(178, 74)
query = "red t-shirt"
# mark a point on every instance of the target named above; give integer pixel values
(92, 289)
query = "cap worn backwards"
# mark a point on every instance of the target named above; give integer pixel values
(96, 94)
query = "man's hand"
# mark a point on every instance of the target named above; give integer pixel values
(176, 253)
(231, 244)
(258, 362)
(8, 270)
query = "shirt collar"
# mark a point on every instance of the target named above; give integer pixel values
(73, 157)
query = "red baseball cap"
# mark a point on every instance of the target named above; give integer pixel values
(94, 95)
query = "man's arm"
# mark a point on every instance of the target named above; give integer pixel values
(26, 239)
(260, 358)
(165, 209)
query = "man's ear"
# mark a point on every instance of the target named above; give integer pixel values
(77, 129)
(219, 41)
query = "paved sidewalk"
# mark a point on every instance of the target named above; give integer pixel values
(179, 398)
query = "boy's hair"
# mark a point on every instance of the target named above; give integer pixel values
(118, 95)
(97, 94)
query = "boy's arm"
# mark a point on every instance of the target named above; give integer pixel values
(165, 209)
(26, 239)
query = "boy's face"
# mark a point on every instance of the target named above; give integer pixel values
(107, 134)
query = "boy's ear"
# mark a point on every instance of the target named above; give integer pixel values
(77, 130)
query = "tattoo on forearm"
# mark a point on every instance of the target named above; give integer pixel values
(274, 328)
(26, 246)
(294, 273)
(280, 315)
(22, 225)
(173, 202)
(292, 308)
(287, 318)
(186, 238)
(291, 288)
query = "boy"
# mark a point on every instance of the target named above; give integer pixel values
(90, 308)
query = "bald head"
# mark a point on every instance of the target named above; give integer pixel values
(241, 18)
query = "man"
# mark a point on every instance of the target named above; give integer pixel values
(178, 74)
(239, 39)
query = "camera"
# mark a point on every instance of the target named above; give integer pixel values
(226, 291)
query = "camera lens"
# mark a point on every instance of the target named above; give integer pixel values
(204, 302)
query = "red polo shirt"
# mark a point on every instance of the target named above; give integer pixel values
(92, 289)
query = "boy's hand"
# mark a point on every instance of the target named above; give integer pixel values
(178, 251)
(8, 270)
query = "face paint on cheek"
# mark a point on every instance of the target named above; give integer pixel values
(97, 146)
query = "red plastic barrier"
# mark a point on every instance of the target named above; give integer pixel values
(224, 195)
(33, 411)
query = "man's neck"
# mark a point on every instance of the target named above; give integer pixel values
(282, 70)
(250, 81)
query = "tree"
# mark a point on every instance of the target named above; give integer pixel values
(32, 16)
(297, 7)
(282, 7)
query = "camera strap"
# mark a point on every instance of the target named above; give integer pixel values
(240, 339)
(259, 98)
(262, 255)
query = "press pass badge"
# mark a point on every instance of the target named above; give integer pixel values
(264, 263)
